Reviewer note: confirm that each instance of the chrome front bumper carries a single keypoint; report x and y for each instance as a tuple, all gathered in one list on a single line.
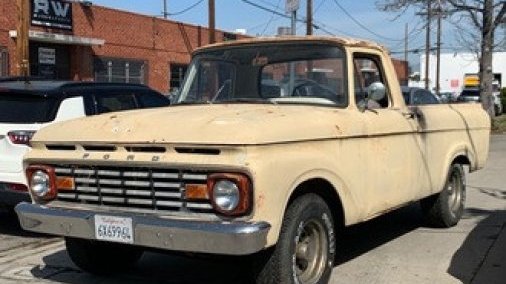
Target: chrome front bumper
[(229, 238)]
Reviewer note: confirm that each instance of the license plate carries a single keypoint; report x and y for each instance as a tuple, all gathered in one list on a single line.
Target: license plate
[(114, 229)]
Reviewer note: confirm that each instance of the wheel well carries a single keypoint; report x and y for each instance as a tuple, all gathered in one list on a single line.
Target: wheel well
[(463, 160), (325, 190)]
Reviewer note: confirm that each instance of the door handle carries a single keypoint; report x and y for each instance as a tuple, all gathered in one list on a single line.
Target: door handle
[(409, 115)]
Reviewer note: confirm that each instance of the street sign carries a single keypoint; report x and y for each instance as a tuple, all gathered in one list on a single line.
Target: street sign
[(292, 6)]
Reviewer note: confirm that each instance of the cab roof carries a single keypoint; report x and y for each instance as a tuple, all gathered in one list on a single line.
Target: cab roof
[(296, 39)]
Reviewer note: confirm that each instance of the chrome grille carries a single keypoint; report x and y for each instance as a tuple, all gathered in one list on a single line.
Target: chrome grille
[(140, 188)]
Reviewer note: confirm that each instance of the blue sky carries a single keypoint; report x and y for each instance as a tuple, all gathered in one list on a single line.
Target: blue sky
[(383, 27)]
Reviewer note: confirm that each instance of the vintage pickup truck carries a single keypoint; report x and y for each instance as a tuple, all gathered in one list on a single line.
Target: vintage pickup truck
[(272, 146)]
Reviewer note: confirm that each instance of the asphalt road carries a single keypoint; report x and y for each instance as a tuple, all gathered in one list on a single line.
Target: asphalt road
[(395, 248)]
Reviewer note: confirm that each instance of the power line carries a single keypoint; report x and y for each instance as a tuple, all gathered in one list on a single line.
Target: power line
[(270, 20), (362, 25), (269, 10), (319, 6), (283, 15), (317, 25), (185, 9)]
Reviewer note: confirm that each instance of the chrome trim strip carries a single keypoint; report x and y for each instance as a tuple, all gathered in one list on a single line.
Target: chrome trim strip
[(230, 238)]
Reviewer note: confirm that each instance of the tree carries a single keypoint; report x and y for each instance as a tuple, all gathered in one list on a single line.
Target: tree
[(486, 16)]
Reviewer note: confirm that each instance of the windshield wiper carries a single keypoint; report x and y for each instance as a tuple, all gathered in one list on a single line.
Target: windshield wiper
[(193, 103), (245, 101)]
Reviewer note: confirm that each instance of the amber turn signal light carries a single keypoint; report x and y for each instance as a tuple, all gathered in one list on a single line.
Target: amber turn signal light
[(197, 192)]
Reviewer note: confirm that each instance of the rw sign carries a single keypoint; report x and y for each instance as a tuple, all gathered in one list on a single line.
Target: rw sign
[(52, 13)]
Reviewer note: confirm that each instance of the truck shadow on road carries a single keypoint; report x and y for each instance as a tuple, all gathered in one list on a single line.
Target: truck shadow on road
[(152, 268), (470, 257), (10, 225), (159, 267), (359, 239)]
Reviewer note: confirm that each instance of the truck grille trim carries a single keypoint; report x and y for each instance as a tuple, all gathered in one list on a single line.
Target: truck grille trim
[(161, 190)]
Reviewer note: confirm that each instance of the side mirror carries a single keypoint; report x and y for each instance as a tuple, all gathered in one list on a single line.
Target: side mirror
[(376, 91)]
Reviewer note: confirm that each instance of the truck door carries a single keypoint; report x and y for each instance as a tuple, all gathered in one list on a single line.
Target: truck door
[(393, 156)]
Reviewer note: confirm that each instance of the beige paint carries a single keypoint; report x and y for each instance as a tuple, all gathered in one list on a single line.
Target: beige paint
[(376, 161)]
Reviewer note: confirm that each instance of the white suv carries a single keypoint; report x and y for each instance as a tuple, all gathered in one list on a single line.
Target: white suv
[(25, 107)]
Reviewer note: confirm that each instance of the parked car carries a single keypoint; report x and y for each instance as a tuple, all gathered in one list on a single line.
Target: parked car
[(447, 96), (473, 95), (27, 106), (418, 96), (267, 170)]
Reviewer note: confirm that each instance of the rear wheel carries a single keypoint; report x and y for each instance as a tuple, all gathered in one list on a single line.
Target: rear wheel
[(101, 257), (446, 208), (306, 247)]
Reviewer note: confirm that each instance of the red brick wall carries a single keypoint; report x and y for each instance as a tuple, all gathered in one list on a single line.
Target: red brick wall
[(402, 70), (8, 18), (127, 35)]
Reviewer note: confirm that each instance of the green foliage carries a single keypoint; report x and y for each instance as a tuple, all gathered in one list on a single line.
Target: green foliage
[(499, 124), (503, 98)]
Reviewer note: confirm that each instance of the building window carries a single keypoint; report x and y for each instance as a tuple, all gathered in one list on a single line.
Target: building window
[(4, 62), (177, 72), (115, 70)]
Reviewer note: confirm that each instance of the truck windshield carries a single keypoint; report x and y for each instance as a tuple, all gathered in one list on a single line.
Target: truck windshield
[(267, 73), (22, 108)]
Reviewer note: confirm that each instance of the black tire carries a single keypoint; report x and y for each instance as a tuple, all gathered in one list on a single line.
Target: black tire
[(446, 208), (307, 217), (102, 257)]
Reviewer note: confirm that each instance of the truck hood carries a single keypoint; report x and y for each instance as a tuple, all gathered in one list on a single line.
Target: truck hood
[(220, 124)]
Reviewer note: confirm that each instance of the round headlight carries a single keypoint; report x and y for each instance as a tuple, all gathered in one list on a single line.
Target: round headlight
[(226, 195), (40, 183)]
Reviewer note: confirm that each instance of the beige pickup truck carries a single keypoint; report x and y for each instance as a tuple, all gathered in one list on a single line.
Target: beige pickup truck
[(272, 146)]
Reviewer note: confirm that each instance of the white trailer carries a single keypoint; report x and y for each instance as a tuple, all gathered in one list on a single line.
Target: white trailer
[(454, 67)]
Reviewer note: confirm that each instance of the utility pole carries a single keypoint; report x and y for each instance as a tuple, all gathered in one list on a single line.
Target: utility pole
[(427, 44), (165, 13), (309, 16), (212, 28), (438, 46), (22, 40), (406, 65)]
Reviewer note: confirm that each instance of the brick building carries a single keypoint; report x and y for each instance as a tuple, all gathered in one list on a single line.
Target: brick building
[(82, 42), (402, 70)]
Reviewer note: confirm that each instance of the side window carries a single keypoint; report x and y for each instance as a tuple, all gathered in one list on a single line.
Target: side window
[(423, 97), (406, 96), (152, 99), (109, 102), (368, 73)]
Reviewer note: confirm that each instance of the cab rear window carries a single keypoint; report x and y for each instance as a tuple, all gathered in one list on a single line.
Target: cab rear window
[(22, 108)]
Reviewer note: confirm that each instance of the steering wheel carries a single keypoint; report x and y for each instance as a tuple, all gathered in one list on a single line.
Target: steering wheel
[(302, 87)]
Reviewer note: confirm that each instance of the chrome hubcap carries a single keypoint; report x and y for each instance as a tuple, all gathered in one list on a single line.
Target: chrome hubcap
[(455, 192), (310, 252)]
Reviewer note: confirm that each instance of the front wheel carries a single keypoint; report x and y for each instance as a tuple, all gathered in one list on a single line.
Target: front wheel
[(447, 207), (101, 257), (306, 247)]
